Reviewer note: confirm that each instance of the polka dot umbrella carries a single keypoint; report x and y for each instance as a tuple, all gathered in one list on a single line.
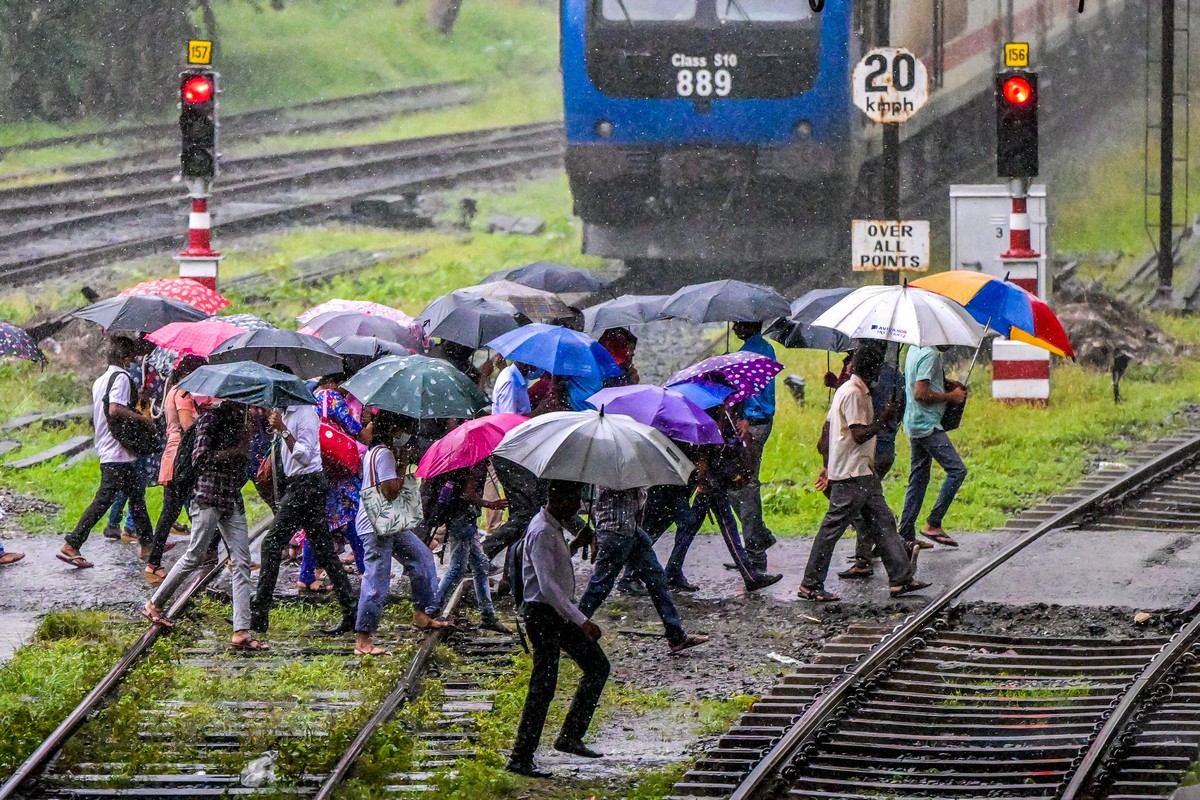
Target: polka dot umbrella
[(748, 373), (16, 343), (185, 290)]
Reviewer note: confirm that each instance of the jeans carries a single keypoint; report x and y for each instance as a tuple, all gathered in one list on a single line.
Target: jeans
[(175, 497), (419, 566), (525, 495), (718, 503), (115, 478), (934, 447), (117, 511), (847, 499), (615, 551), (747, 501), (205, 525), (548, 635), (308, 561), (463, 537), (302, 506)]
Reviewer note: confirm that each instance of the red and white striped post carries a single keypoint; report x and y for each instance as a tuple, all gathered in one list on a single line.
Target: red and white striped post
[(1020, 372), (198, 260)]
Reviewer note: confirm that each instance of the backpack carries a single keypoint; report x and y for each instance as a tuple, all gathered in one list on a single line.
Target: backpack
[(186, 468), (137, 436), (516, 566)]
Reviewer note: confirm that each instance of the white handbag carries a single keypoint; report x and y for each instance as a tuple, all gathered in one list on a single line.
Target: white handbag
[(391, 517)]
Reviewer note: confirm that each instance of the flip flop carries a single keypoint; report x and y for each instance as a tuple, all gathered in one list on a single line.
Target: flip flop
[(10, 558), (375, 650), (78, 562), (941, 538), (818, 595), (252, 645), (158, 619), (316, 587), (909, 588)]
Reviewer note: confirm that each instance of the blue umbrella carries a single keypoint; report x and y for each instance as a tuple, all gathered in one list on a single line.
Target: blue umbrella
[(705, 394), (557, 350), (249, 383)]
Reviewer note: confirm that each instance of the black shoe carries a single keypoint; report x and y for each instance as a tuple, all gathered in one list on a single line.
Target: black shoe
[(762, 582), (345, 626), (575, 748), (681, 584), (112, 533), (632, 589), (529, 769), (493, 624), (857, 571)]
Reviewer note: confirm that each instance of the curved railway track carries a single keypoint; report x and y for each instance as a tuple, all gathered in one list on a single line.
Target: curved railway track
[(923, 711)]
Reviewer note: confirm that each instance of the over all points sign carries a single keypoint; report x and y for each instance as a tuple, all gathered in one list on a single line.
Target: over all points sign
[(890, 245)]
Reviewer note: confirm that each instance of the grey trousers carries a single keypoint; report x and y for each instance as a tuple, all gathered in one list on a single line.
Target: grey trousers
[(747, 501), (206, 522), (848, 499)]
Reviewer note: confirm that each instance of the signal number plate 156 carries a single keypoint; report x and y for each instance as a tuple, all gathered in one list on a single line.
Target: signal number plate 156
[(695, 77)]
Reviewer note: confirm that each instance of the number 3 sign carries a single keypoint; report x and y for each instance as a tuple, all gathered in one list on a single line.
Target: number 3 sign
[(890, 84)]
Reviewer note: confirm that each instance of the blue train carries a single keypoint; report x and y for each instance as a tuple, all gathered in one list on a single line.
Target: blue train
[(722, 133)]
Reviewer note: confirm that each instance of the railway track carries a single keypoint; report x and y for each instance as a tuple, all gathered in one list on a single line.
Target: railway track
[(193, 737), (47, 237), (924, 711)]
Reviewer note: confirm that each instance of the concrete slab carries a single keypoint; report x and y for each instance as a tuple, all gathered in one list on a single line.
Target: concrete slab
[(16, 628)]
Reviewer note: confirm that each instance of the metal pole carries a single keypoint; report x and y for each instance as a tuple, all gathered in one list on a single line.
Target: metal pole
[(1166, 155), (891, 144)]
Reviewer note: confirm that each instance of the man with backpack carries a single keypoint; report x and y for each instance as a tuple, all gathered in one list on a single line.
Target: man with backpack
[(121, 435)]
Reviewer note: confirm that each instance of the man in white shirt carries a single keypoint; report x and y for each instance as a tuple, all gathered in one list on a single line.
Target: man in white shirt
[(854, 488), (302, 507), (112, 396), (510, 395), (554, 622)]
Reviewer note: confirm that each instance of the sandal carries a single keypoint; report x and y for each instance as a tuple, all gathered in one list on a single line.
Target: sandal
[(909, 588), (431, 623), (10, 558), (375, 650), (250, 644), (316, 587), (817, 595), (156, 617), (939, 536), (857, 571), (687, 642), (156, 572), (76, 561)]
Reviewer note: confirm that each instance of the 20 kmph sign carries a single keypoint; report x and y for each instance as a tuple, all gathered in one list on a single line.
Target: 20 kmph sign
[(890, 84)]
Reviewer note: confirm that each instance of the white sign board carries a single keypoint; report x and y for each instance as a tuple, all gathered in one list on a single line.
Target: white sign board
[(888, 245), (890, 84)]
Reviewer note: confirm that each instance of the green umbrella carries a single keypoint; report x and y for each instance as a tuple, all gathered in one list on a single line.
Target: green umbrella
[(249, 383), (417, 386)]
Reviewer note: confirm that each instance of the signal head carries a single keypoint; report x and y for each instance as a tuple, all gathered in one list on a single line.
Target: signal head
[(197, 89), (1017, 90)]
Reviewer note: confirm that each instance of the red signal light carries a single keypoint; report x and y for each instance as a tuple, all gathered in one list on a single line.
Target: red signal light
[(1017, 90), (198, 90)]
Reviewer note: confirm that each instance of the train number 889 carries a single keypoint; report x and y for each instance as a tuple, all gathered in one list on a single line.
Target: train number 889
[(703, 83)]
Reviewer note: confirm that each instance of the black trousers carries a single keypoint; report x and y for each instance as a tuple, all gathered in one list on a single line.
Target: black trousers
[(120, 478), (175, 497), (525, 495), (549, 633), (301, 507)]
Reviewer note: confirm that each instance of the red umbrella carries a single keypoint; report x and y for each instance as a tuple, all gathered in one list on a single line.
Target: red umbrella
[(196, 338), (467, 445), (186, 290)]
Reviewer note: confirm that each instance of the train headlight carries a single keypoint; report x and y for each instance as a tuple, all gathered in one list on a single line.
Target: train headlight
[(604, 129), (803, 129)]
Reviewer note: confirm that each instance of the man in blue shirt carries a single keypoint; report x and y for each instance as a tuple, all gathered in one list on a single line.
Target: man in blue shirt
[(759, 416)]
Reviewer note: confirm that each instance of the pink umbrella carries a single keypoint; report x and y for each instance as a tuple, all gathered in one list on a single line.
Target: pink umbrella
[(186, 290), (748, 373), (358, 307), (467, 445), (197, 338)]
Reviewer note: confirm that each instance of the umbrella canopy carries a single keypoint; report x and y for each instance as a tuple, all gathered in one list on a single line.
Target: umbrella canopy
[(797, 330), (748, 373), (1003, 307), (249, 383), (467, 320), (247, 322), (609, 450), (626, 310), (355, 323), (17, 343), (357, 306), (138, 313), (902, 314), (558, 350), (164, 359), (467, 445), (726, 301), (417, 386), (369, 346), (197, 338), (551, 277), (303, 354), (538, 305), (662, 409), (185, 290), (705, 394)]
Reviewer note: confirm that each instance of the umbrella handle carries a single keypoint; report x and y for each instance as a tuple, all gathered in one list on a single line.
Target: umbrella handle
[(975, 358)]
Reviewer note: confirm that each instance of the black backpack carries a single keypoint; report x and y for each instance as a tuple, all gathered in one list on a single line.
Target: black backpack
[(139, 437), (186, 468)]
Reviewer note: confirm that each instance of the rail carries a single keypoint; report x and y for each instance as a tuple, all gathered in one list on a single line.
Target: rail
[(764, 777)]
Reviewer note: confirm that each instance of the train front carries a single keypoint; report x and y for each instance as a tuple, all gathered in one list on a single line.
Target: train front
[(712, 132)]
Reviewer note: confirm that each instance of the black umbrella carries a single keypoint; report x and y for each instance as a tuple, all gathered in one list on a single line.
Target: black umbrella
[(726, 301), (626, 310), (304, 354), (468, 320), (551, 277), (369, 346), (797, 330), (249, 383), (353, 323), (138, 314)]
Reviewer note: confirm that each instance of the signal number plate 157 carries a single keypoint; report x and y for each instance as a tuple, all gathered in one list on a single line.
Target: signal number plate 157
[(695, 77)]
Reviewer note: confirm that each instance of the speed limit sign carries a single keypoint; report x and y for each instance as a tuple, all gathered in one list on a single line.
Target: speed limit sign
[(890, 84)]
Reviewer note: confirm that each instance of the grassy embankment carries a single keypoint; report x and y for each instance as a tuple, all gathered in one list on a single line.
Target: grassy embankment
[(506, 49)]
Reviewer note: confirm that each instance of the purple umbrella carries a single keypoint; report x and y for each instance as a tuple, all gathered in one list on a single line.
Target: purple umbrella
[(663, 409), (748, 373)]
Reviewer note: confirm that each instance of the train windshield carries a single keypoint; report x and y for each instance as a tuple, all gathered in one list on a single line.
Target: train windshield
[(763, 10), (649, 10)]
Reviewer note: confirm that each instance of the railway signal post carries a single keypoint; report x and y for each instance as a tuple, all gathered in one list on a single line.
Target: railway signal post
[(198, 90)]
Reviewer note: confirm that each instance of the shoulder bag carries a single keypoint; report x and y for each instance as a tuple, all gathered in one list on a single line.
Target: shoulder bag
[(391, 517), (137, 436)]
